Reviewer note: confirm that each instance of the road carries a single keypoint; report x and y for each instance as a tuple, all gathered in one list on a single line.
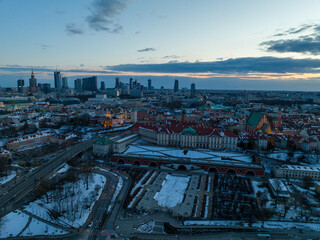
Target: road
[(26, 184)]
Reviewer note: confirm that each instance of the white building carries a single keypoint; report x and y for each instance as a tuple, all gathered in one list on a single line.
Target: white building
[(297, 172)]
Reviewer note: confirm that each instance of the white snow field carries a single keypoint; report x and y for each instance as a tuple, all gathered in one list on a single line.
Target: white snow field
[(6, 179), (172, 191), (12, 224), (40, 228), (147, 227), (74, 201)]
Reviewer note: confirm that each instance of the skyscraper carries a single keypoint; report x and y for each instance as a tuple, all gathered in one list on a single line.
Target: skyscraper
[(103, 86), (90, 83), (117, 83), (33, 83), (57, 80), (45, 87), (20, 85), (149, 84), (65, 83), (78, 85), (131, 83), (193, 90), (176, 86)]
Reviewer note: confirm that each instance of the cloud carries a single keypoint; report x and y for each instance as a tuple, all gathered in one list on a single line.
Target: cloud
[(147, 50), (171, 56), (45, 46), (73, 29), (302, 28), (233, 65), (60, 12), (306, 44), (102, 13)]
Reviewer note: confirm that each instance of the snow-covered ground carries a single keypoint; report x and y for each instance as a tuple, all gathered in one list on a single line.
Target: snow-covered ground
[(12, 224), (116, 192), (197, 154), (172, 191), (6, 179), (73, 200), (147, 227), (40, 228), (64, 169)]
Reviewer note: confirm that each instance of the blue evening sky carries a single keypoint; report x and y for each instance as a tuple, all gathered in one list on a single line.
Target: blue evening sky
[(126, 38)]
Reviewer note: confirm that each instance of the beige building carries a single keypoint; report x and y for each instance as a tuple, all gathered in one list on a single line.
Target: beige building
[(29, 141), (297, 172), (190, 138)]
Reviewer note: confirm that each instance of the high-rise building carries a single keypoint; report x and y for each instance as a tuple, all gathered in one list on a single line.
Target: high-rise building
[(20, 85), (245, 97), (57, 80), (103, 86), (176, 86), (65, 83), (117, 83), (33, 83), (78, 85), (149, 84), (135, 83), (193, 90), (131, 83), (90, 83), (45, 87)]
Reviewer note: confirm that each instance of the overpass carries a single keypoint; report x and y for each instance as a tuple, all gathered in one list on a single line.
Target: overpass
[(15, 192)]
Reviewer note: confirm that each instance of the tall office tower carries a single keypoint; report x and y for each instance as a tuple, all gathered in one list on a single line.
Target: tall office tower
[(138, 86), (103, 86), (176, 86), (20, 84), (131, 83), (45, 87), (117, 83), (33, 83), (245, 97), (78, 85), (90, 83), (65, 83), (57, 80), (149, 84), (193, 90), (135, 83)]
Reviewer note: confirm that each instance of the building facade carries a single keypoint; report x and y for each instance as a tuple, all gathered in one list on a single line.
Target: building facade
[(190, 137)]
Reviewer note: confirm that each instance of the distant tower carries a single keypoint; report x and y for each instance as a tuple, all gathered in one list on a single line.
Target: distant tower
[(117, 83), (135, 83), (33, 83), (65, 83), (149, 84), (103, 86), (20, 85), (57, 80), (193, 90), (78, 85), (131, 83), (176, 86), (245, 97), (90, 83)]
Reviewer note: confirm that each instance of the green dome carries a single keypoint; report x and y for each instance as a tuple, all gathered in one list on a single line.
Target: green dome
[(189, 131)]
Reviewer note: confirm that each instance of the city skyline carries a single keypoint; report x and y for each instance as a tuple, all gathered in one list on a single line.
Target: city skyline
[(223, 45)]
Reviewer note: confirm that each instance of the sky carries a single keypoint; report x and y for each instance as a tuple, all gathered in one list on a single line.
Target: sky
[(229, 44)]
